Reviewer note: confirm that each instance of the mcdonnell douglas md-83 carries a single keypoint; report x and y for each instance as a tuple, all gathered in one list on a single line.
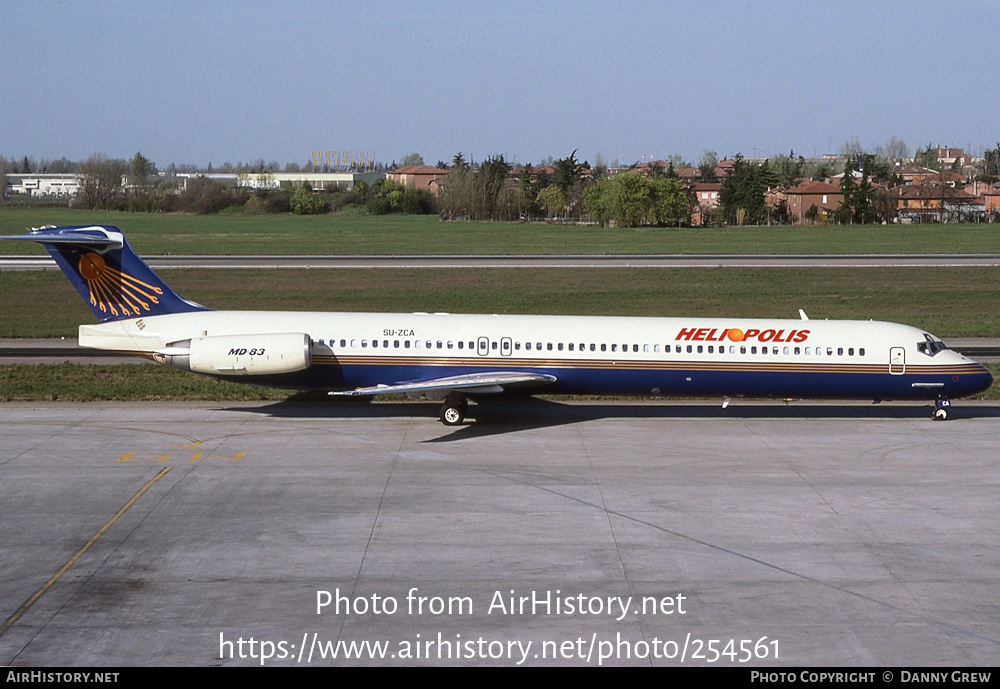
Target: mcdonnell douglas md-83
[(454, 357)]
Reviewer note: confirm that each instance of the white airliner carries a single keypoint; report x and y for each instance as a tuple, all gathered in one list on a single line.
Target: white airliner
[(454, 357)]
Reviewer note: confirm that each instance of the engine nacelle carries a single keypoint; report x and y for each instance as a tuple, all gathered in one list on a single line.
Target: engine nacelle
[(241, 355)]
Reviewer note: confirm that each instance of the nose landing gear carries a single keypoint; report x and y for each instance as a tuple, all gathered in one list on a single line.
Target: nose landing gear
[(942, 408)]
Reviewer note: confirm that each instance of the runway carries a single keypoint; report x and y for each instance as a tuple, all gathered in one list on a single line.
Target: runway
[(580, 261), (539, 534)]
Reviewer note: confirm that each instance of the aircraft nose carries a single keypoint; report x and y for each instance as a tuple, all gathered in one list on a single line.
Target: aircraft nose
[(981, 380)]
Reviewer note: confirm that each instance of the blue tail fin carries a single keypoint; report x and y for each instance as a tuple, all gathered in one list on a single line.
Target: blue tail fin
[(111, 278)]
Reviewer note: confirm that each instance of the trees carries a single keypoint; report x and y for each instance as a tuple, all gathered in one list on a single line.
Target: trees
[(709, 159), (413, 159), (305, 202), (552, 200), (858, 205), (632, 200), (139, 169), (742, 194), (3, 178), (486, 193), (100, 181)]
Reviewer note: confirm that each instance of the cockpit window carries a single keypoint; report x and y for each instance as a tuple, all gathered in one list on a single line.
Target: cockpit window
[(931, 346)]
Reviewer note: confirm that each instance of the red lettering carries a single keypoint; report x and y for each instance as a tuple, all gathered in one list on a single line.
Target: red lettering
[(724, 334), (767, 336), (685, 334), (752, 332), (700, 335), (777, 337), (711, 335), (801, 336)]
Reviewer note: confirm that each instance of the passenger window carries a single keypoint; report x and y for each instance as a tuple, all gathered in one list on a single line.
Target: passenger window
[(343, 343), (699, 349), (406, 344), (494, 346), (808, 351), (861, 352), (753, 350), (450, 344), (604, 348), (614, 348), (559, 346), (656, 349), (593, 347), (743, 349), (527, 346), (395, 344), (461, 344), (784, 350), (850, 351), (440, 344), (840, 351), (364, 344), (548, 346), (829, 351), (374, 344), (689, 349)]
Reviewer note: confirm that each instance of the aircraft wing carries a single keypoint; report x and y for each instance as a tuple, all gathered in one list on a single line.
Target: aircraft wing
[(472, 383)]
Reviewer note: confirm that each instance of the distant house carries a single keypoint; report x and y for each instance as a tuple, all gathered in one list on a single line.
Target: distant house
[(925, 175), (826, 197), (724, 168), (706, 196), (419, 176), (990, 195), (688, 174), (937, 203), (948, 157)]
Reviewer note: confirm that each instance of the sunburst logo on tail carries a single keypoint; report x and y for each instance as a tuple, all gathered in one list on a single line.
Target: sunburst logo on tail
[(114, 291)]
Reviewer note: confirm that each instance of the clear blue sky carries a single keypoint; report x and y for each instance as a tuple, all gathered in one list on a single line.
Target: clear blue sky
[(193, 82)]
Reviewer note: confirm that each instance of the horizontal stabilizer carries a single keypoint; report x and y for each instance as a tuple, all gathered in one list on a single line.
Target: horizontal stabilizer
[(99, 242), (473, 383)]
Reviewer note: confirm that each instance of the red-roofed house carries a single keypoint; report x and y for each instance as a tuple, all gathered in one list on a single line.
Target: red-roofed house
[(826, 197), (923, 203), (419, 176)]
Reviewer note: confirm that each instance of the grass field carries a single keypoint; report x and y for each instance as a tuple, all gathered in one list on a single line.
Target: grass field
[(238, 234), (950, 302)]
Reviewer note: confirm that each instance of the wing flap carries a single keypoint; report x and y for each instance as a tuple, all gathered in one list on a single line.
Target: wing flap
[(471, 383)]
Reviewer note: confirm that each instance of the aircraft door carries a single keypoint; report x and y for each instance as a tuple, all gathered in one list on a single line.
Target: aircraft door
[(897, 361), (505, 347), (483, 346)]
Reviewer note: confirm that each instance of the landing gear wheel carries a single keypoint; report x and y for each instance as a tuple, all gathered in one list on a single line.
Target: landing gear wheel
[(453, 411)]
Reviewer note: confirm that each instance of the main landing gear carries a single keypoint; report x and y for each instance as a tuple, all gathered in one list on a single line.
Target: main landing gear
[(942, 408), (453, 410)]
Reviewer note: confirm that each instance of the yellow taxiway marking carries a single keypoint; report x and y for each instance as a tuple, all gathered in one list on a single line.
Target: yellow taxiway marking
[(55, 577)]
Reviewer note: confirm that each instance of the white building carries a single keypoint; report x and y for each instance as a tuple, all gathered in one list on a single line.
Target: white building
[(61, 185)]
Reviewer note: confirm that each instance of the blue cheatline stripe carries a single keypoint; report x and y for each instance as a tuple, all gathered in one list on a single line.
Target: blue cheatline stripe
[(957, 382)]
